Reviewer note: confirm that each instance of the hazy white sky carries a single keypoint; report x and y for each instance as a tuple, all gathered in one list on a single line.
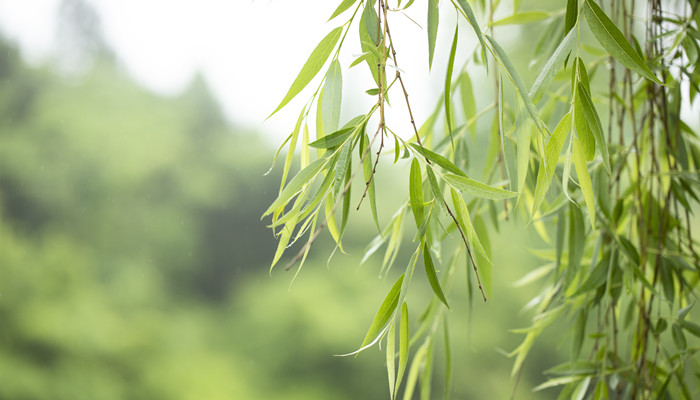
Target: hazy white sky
[(249, 51)]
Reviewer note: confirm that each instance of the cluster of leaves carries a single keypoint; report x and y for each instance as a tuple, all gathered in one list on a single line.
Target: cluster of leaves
[(623, 276)]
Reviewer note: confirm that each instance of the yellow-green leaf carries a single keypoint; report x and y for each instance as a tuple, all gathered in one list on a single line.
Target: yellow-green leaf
[(433, 19), (332, 97), (549, 164), (301, 179), (584, 180), (522, 18), (313, 64), (416, 192), (477, 189), (344, 5), (404, 339), (384, 313)]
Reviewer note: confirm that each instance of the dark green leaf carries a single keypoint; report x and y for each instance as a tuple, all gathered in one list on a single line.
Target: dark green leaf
[(571, 15), (432, 276), (614, 42), (416, 192)]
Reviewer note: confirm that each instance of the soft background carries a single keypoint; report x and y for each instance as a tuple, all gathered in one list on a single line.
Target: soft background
[(133, 262)]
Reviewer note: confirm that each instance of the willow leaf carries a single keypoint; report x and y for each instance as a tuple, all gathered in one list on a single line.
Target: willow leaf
[(432, 275), (313, 64), (476, 188), (468, 101), (390, 358), (367, 173), (301, 179), (614, 42), (549, 165), (571, 15), (404, 339), (469, 14), (438, 159), (462, 215), (384, 313), (332, 97), (520, 87), (544, 79), (523, 18), (344, 5), (448, 85), (584, 180), (333, 139), (416, 192), (594, 124), (433, 20)]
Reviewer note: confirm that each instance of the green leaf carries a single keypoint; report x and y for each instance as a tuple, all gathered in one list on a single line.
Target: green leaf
[(583, 132), (552, 152), (571, 15), (384, 313), (683, 312), (468, 101), (523, 18), (390, 358), (593, 123), (448, 361), (691, 327), (577, 238), (404, 339), (427, 376), (438, 159), (469, 15), (332, 97), (520, 87), (413, 372), (679, 338), (344, 5), (477, 189), (448, 85), (584, 180), (596, 278), (301, 179), (367, 173), (334, 139), (431, 274), (556, 61), (523, 151), (371, 22), (416, 192), (433, 19), (614, 42), (314, 63), (293, 138), (462, 215)]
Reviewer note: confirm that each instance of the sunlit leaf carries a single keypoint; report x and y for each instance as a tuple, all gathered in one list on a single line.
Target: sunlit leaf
[(584, 180), (334, 139), (433, 20), (314, 63), (301, 179), (384, 313), (477, 189), (549, 165), (416, 192), (344, 5), (522, 18), (332, 97), (593, 122)]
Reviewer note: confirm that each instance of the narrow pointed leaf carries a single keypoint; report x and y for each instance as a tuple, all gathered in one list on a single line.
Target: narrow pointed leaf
[(614, 42), (448, 85), (416, 192), (468, 101), (520, 87), (384, 313), (549, 165), (433, 19), (594, 124), (469, 14), (438, 159), (432, 275), (522, 18), (332, 97), (301, 179), (584, 179), (390, 358), (524, 140), (477, 189), (332, 140), (344, 5), (404, 339), (367, 173), (462, 215), (313, 64), (571, 15), (556, 61)]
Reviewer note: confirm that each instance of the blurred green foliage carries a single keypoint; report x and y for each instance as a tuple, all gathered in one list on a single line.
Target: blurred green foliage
[(133, 263)]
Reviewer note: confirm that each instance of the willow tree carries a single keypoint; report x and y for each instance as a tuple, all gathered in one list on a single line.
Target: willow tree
[(595, 150)]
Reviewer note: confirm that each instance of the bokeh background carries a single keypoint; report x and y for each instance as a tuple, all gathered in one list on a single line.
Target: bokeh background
[(133, 261)]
